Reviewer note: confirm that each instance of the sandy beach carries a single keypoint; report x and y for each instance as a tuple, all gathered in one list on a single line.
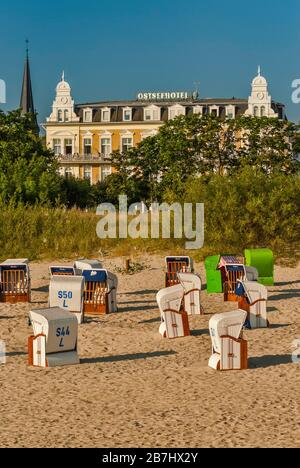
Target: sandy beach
[(136, 389)]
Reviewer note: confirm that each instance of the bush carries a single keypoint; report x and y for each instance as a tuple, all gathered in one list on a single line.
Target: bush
[(249, 209)]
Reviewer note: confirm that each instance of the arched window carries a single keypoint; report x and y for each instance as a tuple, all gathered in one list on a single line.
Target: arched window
[(255, 111), (66, 113), (263, 111), (60, 116)]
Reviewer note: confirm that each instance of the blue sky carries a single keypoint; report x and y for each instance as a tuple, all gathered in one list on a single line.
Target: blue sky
[(112, 50)]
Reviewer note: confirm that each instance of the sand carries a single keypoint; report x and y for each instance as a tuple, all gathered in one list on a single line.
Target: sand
[(135, 389)]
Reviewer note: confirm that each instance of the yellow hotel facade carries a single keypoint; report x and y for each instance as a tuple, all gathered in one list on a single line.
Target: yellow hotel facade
[(83, 136)]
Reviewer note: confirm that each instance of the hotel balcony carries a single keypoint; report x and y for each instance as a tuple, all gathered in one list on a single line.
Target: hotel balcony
[(84, 158)]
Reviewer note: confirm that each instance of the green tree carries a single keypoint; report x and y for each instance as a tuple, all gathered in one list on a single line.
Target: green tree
[(28, 171)]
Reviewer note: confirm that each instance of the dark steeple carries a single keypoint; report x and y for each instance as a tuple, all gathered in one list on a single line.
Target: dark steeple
[(27, 104)]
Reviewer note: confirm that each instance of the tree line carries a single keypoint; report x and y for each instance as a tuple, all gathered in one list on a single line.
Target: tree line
[(192, 149)]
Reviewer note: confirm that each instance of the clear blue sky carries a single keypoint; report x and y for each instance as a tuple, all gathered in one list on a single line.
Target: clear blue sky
[(113, 49)]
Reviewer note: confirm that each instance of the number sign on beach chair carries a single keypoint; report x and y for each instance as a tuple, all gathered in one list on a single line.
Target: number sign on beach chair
[(15, 284), (66, 292), (176, 265), (230, 350), (54, 342), (85, 264), (175, 322), (253, 299), (100, 292), (62, 271), (192, 289)]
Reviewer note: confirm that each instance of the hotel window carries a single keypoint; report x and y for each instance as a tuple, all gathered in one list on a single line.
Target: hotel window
[(263, 111), (198, 110), (60, 116), (127, 115), (66, 114), (127, 144), (214, 111), (57, 147), (68, 173), (68, 147), (255, 111), (175, 111), (105, 172), (230, 112), (87, 173), (87, 115), (87, 146), (106, 146), (152, 113), (105, 115)]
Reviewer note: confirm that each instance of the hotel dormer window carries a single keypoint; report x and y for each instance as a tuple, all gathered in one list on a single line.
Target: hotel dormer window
[(175, 111), (152, 113), (105, 115), (214, 111), (87, 115), (198, 110), (127, 114), (230, 112)]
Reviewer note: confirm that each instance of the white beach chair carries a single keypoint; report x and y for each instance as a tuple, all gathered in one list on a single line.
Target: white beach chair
[(54, 342), (229, 347), (100, 292), (254, 297), (175, 322), (66, 292), (192, 286), (15, 282)]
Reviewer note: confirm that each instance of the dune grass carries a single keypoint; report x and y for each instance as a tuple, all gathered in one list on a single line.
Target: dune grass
[(41, 233)]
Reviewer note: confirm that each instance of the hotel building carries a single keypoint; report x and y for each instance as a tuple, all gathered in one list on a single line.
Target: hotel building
[(83, 136)]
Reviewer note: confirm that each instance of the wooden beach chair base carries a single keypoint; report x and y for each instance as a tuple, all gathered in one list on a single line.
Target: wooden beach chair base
[(14, 298), (234, 355)]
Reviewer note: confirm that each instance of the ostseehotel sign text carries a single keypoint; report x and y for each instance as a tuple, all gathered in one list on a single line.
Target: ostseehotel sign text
[(169, 96)]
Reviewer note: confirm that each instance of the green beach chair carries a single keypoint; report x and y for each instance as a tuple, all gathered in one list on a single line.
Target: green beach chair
[(213, 275), (263, 261)]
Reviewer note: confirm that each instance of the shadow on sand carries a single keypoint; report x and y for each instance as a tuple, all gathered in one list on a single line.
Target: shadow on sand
[(128, 357), (264, 362), (285, 295)]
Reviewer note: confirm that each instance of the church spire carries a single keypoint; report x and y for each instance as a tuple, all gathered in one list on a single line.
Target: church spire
[(26, 103)]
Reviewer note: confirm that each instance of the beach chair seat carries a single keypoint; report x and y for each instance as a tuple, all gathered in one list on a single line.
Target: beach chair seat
[(100, 292), (62, 271), (192, 286), (15, 282), (251, 274), (66, 292), (253, 299), (230, 350), (54, 342), (175, 265), (86, 264), (175, 322)]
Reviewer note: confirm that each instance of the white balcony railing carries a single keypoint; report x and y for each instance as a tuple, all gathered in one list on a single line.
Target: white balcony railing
[(84, 158)]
